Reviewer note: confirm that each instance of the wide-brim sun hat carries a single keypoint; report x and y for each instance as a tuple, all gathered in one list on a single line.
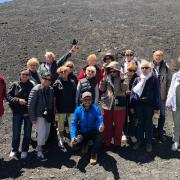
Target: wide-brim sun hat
[(110, 55), (114, 65)]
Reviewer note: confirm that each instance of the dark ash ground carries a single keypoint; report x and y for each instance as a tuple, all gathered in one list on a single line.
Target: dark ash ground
[(29, 27)]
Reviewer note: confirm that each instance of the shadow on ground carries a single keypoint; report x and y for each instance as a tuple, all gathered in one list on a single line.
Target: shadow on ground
[(14, 168)]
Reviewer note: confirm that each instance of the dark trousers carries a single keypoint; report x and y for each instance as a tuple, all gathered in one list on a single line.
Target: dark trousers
[(161, 120), (132, 125), (145, 125), (96, 137), (18, 120)]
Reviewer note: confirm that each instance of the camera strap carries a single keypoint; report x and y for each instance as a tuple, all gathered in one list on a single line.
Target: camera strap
[(45, 99)]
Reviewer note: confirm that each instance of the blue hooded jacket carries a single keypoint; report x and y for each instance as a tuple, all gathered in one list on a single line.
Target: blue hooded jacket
[(85, 120)]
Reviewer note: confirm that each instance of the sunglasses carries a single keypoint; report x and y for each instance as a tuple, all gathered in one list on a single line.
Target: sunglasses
[(63, 72), (130, 70), (47, 79), (144, 67), (107, 58), (87, 100), (129, 54), (91, 71), (25, 74), (70, 67)]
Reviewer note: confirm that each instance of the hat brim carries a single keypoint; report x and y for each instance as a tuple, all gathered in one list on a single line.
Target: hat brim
[(111, 57)]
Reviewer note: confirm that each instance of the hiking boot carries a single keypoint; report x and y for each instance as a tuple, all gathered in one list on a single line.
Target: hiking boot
[(137, 145), (41, 157), (93, 159), (24, 155), (148, 147), (175, 146)]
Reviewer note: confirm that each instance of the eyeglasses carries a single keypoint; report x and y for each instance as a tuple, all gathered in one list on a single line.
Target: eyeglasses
[(129, 54), (144, 67), (130, 70), (25, 74), (91, 71), (47, 79)]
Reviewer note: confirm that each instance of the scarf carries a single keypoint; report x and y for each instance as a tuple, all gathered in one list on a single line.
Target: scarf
[(134, 61), (138, 89)]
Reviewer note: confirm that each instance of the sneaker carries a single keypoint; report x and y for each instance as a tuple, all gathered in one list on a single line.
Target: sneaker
[(175, 146), (124, 138), (133, 139), (93, 159), (12, 154), (137, 145), (40, 157), (24, 155), (148, 147), (45, 151)]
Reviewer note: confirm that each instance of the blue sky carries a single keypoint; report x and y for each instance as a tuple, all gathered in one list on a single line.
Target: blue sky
[(3, 1)]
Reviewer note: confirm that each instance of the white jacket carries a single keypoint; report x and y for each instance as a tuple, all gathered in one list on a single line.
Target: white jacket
[(171, 97)]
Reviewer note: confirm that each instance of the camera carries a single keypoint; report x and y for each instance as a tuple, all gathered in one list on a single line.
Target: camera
[(74, 42)]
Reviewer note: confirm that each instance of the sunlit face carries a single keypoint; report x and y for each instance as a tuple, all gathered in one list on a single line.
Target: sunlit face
[(33, 67), (46, 81), (64, 73), (49, 59), (108, 59), (158, 56), (24, 76), (129, 56), (145, 69), (90, 73), (131, 72), (114, 73), (71, 68), (87, 101)]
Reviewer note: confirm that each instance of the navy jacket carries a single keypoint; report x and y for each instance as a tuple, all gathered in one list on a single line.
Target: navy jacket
[(150, 95)]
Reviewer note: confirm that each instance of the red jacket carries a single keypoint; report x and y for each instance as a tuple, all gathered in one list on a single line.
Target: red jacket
[(99, 73), (2, 94)]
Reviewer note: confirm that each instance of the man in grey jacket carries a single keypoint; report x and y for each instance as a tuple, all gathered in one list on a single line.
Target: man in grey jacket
[(163, 73), (40, 108)]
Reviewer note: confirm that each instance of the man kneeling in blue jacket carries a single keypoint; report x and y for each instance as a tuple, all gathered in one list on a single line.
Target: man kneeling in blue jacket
[(87, 124)]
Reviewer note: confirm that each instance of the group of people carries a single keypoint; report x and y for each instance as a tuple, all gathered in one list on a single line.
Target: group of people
[(98, 107)]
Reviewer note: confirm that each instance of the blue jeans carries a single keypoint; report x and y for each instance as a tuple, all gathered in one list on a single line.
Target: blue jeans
[(161, 120), (18, 120)]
